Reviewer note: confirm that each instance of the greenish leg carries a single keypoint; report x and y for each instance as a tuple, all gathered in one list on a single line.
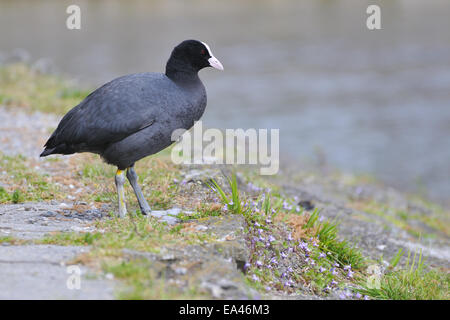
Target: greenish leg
[(120, 180), (133, 178)]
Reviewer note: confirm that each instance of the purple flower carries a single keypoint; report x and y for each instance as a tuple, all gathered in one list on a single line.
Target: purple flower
[(271, 238), (322, 255), (247, 265), (259, 263), (304, 246), (348, 267), (333, 272), (289, 238), (350, 274), (274, 261), (255, 277), (322, 269)]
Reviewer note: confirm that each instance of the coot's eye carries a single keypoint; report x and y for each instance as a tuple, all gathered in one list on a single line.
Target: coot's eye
[(202, 52)]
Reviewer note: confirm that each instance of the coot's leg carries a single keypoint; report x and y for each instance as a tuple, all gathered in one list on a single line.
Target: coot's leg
[(120, 180), (133, 178)]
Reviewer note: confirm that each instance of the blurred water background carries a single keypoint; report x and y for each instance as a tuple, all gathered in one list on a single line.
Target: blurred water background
[(374, 102)]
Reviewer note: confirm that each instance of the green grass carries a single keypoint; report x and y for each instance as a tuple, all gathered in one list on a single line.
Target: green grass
[(412, 282), (28, 89), (327, 233), (135, 233), (402, 218), (23, 183), (329, 250), (142, 282)]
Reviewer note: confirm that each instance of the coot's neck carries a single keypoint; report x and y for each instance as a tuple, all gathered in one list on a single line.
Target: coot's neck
[(181, 72)]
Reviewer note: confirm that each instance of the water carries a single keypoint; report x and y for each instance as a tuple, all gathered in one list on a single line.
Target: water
[(368, 101)]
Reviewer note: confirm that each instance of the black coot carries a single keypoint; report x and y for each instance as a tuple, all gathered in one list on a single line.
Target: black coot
[(134, 116)]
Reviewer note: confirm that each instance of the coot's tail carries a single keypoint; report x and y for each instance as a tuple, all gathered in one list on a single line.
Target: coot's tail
[(47, 151), (58, 149)]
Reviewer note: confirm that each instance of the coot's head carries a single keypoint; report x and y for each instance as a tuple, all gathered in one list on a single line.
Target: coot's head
[(192, 56)]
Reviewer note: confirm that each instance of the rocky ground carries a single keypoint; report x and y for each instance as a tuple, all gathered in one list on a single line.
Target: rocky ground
[(30, 268)]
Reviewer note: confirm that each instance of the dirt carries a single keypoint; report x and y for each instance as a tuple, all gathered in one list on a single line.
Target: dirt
[(31, 271)]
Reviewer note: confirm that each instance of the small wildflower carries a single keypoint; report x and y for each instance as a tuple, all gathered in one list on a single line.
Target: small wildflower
[(366, 298), (322, 269), (358, 295), (350, 274), (271, 238), (255, 277), (322, 255), (333, 272), (259, 263), (289, 238), (247, 265), (274, 261), (349, 267)]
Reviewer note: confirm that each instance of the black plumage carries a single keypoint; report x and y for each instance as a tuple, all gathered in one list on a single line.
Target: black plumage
[(134, 116)]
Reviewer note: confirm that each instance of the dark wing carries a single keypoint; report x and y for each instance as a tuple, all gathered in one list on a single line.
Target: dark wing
[(110, 113)]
